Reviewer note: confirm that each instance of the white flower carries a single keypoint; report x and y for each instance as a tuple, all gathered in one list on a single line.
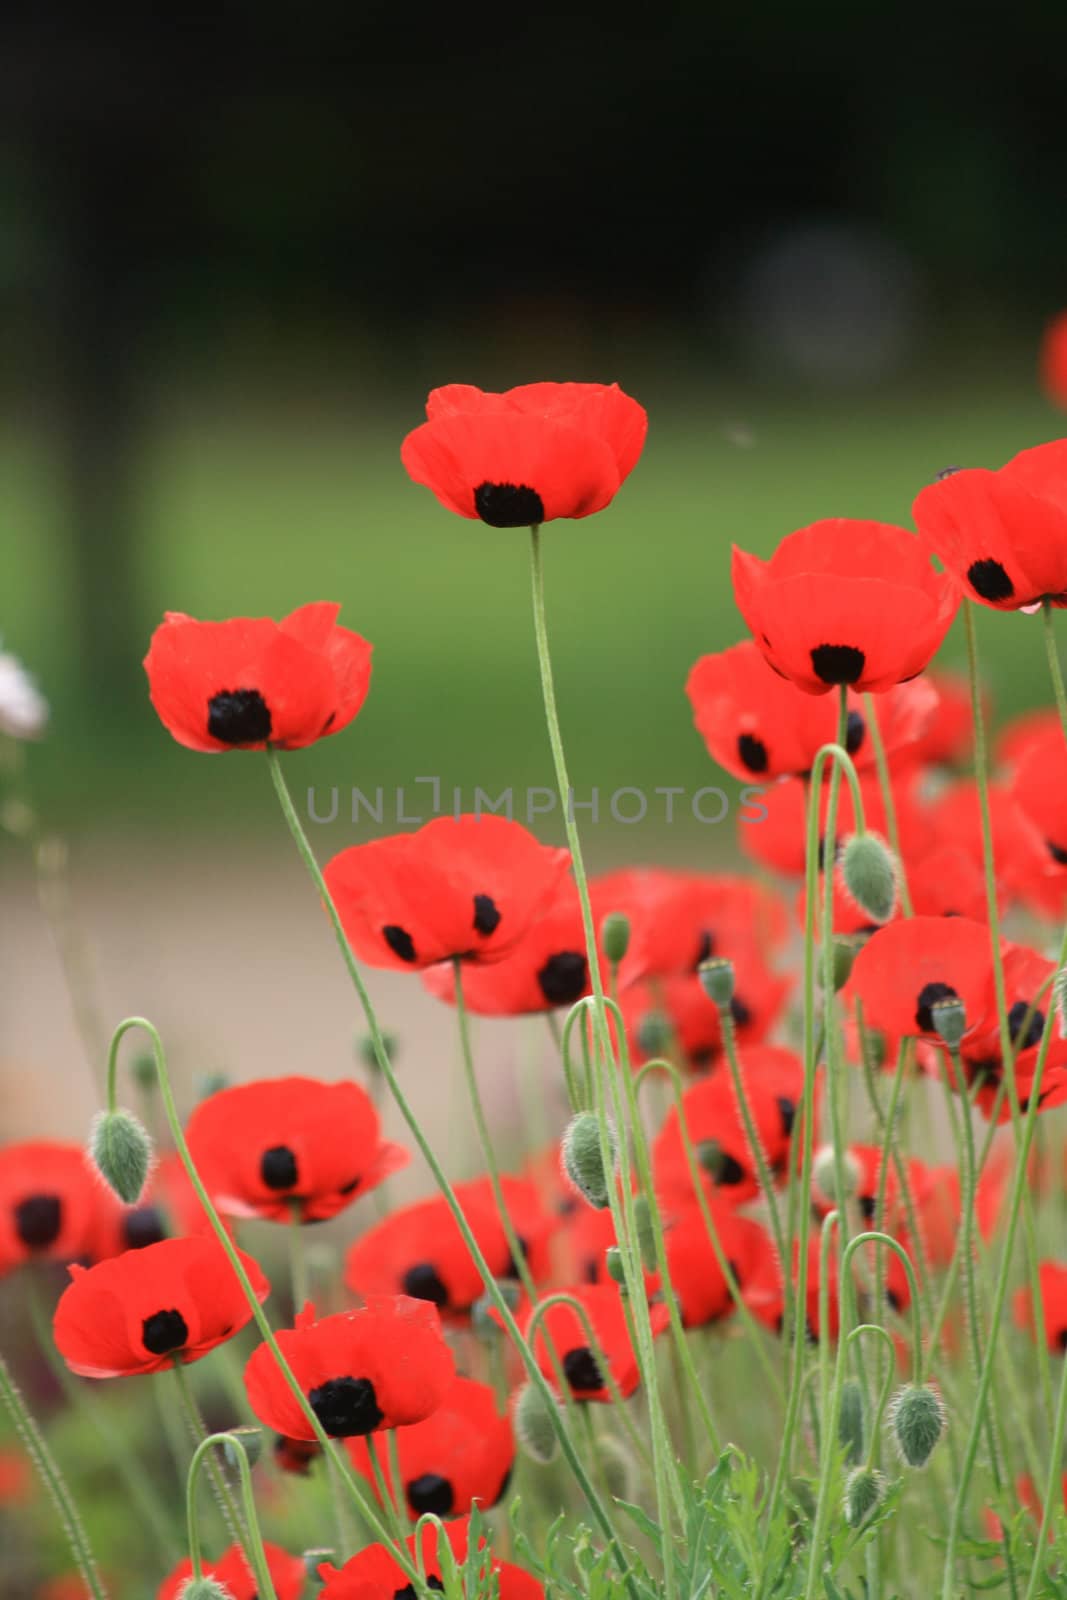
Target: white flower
[(23, 709)]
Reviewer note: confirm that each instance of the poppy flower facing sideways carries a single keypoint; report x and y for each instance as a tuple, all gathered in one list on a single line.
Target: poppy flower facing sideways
[(906, 968), (288, 1574), (529, 455), (383, 1366), (561, 1330), (281, 1147), (373, 1573), (249, 682), (548, 968), (50, 1202), (463, 1453), (147, 1309), (697, 1278), (756, 724), (845, 602), (1052, 1277), (465, 887), (1038, 786)]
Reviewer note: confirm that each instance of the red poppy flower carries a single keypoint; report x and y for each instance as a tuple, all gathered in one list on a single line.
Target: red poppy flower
[(779, 840), (527, 456), (560, 1329), (373, 1574), (169, 1207), (1015, 737), (676, 1016), (16, 1477), (1053, 360), (845, 602), (146, 1309), (383, 1366), (267, 1148), (765, 1291), (50, 1202), (773, 1081), (462, 1454), (232, 1571), (947, 881), (1002, 535), (905, 968), (548, 967), (696, 1277), (1026, 869), (295, 1455), (250, 682), (679, 919), (470, 887), (1038, 785), (1052, 1278), (756, 723), (418, 1250), (947, 737)]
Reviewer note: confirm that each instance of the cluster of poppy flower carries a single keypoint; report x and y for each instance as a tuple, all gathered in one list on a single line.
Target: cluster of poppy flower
[(845, 605)]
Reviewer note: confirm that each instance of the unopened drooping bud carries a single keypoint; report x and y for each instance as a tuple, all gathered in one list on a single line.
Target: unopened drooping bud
[(247, 1441), (843, 952), (534, 1426), (717, 977), (917, 1419), (950, 1020), (583, 1161), (653, 1033), (122, 1153), (143, 1071), (646, 1237), (615, 936), (850, 1421), (869, 873), (864, 1493), (204, 1589)]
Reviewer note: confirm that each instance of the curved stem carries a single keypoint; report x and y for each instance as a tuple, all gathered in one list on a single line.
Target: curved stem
[(257, 1558), (887, 1382), (756, 1150), (599, 1355), (228, 1508)]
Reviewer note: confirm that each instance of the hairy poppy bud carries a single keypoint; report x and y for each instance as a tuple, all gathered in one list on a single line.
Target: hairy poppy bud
[(613, 1266), (122, 1153), (843, 952), (717, 977), (646, 1238), (615, 936), (653, 1033), (950, 1020), (870, 875), (534, 1426), (850, 1420), (917, 1419), (864, 1493), (582, 1161), (204, 1589), (247, 1441)]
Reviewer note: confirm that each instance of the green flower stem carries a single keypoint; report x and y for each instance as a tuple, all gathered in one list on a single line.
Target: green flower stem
[(1015, 1205), (831, 1422), (47, 1469), (298, 1270), (755, 1144), (329, 1446), (518, 1255), (229, 1510), (1055, 670), (492, 1288), (135, 1481), (1053, 1493), (396, 1477), (257, 1558), (384, 1491), (885, 785), (834, 1085), (875, 1430)]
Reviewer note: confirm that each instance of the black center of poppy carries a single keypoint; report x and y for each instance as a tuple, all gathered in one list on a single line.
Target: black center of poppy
[(346, 1407), (508, 505), (720, 1166), (989, 579), (1035, 1025), (855, 732), (788, 1112), (163, 1332), (142, 1227), (238, 716), (38, 1220), (277, 1167), (868, 1205), (752, 752), (838, 663), (739, 1011), (946, 472), (581, 1370), (408, 1591), (399, 941), (423, 1282), (706, 948), (1057, 852), (562, 978), (431, 1492), (929, 995), (486, 915)]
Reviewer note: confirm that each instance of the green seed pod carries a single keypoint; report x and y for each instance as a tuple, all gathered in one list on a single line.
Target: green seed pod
[(869, 873), (864, 1493), (950, 1020), (850, 1422), (122, 1153), (534, 1427), (917, 1419), (646, 1238), (582, 1161), (615, 936), (243, 1441), (712, 1158), (654, 1033), (717, 978), (613, 1266)]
